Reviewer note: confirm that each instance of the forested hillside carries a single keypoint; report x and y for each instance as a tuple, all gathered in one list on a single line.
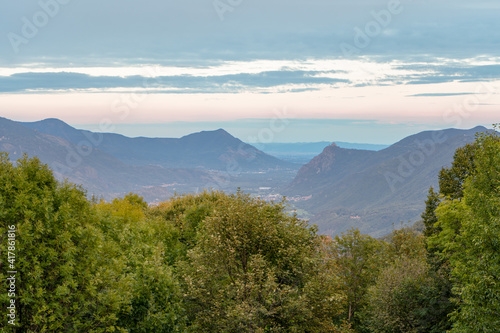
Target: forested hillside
[(372, 190), (215, 262)]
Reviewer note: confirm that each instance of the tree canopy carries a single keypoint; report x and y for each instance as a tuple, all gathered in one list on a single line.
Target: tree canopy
[(469, 237)]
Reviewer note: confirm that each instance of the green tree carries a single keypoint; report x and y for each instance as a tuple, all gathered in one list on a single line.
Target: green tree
[(451, 180), (146, 243), (406, 296), (359, 259), (451, 185), (469, 238), (186, 213), (429, 215), (255, 269), (69, 279), (324, 292), (395, 300), (405, 243)]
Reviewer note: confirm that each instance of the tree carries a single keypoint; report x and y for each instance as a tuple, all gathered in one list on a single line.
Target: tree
[(451, 182), (469, 236), (147, 243), (68, 277), (255, 269), (324, 292), (395, 300), (359, 259), (406, 296), (451, 185), (429, 215), (405, 243), (186, 213)]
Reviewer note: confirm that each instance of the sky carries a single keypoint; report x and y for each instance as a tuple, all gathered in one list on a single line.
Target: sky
[(369, 71)]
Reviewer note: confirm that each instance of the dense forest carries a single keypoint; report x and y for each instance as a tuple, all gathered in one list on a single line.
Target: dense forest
[(215, 262)]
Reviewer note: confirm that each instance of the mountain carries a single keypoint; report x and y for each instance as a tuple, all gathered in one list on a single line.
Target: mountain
[(99, 172), (374, 190), (208, 150), (303, 152), (111, 165)]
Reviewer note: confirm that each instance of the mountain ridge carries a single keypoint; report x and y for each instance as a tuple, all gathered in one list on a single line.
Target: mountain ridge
[(91, 159), (340, 187), (204, 150), (99, 172), (374, 190)]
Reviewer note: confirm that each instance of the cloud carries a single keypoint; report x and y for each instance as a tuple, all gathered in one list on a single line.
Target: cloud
[(43, 82), (439, 94)]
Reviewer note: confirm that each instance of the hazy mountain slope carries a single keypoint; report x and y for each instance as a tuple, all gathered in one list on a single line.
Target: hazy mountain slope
[(99, 172), (58, 128), (373, 190), (332, 164), (206, 150), (303, 152)]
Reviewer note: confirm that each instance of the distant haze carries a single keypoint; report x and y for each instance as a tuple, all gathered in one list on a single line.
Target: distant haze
[(268, 131)]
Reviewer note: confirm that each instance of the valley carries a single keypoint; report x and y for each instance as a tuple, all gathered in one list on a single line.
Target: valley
[(373, 188)]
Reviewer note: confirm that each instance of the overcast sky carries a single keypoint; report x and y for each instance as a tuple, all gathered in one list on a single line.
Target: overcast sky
[(372, 70)]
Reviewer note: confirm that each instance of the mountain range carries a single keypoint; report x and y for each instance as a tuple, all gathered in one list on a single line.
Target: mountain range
[(374, 190), (204, 150), (110, 165)]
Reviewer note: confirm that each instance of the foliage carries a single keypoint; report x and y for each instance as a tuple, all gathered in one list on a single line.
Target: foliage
[(405, 243), (394, 300), (451, 183), (325, 291), (186, 213), (122, 266), (451, 187), (253, 270), (451, 180), (470, 236), (406, 296), (68, 277), (429, 217), (155, 300), (359, 259)]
